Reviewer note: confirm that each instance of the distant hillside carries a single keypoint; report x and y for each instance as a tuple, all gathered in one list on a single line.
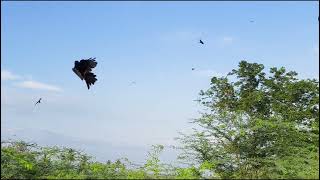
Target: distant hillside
[(102, 151)]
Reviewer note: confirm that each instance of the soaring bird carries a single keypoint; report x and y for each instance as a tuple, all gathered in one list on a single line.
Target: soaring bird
[(201, 41), (83, 70), (37, 102), (192, 69)]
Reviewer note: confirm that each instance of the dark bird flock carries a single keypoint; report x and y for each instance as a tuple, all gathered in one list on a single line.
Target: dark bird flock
[(83, 69)]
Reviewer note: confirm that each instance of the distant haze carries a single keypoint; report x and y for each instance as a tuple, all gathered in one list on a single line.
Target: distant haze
[(101, 151), (155, 45)]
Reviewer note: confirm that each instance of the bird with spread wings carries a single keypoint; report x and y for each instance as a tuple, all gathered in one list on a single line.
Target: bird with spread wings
[(38, 102), (83, 70)]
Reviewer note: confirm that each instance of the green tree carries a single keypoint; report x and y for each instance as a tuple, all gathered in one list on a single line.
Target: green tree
[(254, 126)]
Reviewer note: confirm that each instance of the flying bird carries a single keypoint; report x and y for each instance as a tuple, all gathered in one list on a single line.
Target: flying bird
[(193, 69), (83, 70), (132, 83), (201, 41), (251, 21), (38, 102)]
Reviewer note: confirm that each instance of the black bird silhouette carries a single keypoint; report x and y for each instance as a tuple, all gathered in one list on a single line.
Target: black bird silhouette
[(83, 70), (37, 102), (201, 41), (193, 69)]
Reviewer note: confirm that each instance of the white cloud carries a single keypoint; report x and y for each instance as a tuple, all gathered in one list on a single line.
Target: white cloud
[(28, 82), (227, 40), (38, 85), (7, 75)]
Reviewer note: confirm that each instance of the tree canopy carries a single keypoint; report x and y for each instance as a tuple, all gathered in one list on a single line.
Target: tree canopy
[(258, 126)]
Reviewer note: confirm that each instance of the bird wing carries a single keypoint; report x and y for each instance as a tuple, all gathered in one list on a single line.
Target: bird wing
[(87, 65), (92, 62), (77, 72), (83, 70), (90, 79)]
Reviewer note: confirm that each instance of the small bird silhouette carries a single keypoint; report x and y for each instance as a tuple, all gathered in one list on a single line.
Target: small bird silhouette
[(193, 69), (38, 102), (201, 41), (251, 21)]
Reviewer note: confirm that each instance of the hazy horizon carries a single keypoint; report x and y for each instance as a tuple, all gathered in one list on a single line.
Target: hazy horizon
[(155, 44)]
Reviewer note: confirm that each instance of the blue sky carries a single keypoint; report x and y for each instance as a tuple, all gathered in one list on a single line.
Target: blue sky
[(154, 44)]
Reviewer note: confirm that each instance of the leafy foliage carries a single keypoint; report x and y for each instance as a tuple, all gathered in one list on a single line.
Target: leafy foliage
[(257, 126)]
